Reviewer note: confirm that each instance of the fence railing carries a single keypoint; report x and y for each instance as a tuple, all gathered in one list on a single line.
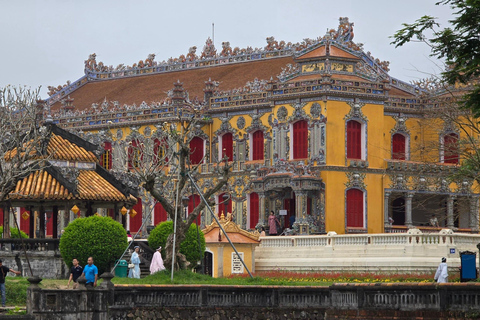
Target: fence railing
[(29, 244)]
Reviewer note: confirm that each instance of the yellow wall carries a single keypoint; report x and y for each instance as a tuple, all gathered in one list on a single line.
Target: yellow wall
[(248, 252)]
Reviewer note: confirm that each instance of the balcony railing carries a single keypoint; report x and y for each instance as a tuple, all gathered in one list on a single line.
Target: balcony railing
[(29, 244)]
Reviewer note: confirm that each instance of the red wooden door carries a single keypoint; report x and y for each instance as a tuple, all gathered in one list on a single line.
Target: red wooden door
[(354, 140), (196, 150), (49, 220), (257, 145), (193, 202), (254, 209), (136, 221), (160, 215), (354, 208), (24, 223), (227, 146), (450, 146), (300, 140), (221, 206)]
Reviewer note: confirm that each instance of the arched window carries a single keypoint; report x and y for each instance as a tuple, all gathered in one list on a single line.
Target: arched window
[(196, 150), (227, 146), (398, 147), (450, 148), (254, 209), (135, 154), (355, 204), (106, 159), (300, 140), (160, 148), (257, 145), (354, 140), (221, 205), (193, 202)]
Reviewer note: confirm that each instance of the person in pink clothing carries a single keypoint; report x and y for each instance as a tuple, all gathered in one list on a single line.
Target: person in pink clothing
[(272, 224), (157, 262)]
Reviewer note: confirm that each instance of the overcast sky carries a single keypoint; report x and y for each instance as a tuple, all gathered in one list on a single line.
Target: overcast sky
[(46, 42)]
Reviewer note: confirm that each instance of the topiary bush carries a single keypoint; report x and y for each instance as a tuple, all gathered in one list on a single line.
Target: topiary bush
[(102, 238), (14, 233), (189, 247)]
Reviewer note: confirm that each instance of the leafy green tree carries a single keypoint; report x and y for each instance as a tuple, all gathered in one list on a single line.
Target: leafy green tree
[(14, 233), (459, 45), (188, 247), (102, 238)]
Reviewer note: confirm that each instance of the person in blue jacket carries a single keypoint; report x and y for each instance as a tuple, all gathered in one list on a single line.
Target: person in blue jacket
[(135, 259)]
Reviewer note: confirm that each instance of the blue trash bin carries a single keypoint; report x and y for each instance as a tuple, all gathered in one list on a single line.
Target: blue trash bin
[(468, 269)]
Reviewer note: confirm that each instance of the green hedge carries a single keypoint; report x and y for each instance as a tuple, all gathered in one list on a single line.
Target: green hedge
[(99, 237), (189, 247), (14, 233)]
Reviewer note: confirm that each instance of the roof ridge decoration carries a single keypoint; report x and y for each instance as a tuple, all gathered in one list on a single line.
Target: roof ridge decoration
[(230, 227), (342, 38)]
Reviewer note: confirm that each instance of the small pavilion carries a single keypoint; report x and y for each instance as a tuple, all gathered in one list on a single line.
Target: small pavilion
[(220, 258), (72, 183)]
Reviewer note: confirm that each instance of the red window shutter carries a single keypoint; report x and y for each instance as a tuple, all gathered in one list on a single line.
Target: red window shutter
[(354, 208), (257, 148), (136, 222), (398, 147), (300, 140), (450, 148), (254, 209), (354, 140), (227, 146), (193, 202), (196, 150), (221, 208), (160, 215)]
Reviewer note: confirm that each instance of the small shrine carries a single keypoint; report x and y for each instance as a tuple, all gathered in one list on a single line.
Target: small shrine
[(220, 258)]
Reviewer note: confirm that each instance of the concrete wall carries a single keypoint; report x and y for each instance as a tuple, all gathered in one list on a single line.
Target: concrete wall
[(45, 264)]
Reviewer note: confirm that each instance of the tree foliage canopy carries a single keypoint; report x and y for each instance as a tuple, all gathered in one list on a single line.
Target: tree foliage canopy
[(102, 238), (459, 45)]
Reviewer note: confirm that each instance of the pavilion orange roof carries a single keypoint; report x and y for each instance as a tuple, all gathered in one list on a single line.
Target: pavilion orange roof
[(41, 185)]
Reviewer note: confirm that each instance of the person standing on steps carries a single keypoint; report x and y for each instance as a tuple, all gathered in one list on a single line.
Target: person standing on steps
[(272, 224), (135, 259), (3, 273)]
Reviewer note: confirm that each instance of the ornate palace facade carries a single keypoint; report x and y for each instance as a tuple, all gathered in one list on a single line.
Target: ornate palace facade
[(317, 130)]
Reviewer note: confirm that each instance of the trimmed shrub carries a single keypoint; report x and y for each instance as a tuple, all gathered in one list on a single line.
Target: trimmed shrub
[(189, 247), (14, 233), (99, 237)]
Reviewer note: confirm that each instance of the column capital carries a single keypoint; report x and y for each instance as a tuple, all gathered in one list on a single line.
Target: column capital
[(409, 194)]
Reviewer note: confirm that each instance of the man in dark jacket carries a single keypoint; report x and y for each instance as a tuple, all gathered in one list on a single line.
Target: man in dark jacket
[(3, 273)]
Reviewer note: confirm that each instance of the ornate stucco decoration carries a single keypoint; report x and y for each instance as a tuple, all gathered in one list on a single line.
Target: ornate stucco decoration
[(400, 125), (257, 125), (119, 134), (464, 186), (448, 127), (356, 112), (420, 183), (356, 180), (70, 174), (135, 135), (299, 113), (282, 114), (316, 110), (398, 181), (147, 131), (226, 127), (289, 72), (442, 185), (241, 122)]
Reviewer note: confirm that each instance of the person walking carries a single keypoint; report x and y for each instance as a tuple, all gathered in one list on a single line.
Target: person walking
[(3, 273), (441, 276), (75, 271), (135, 259), (91, 273), (272, 224), (157, 262)]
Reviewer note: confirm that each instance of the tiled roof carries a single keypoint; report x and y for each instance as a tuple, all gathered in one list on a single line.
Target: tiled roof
[(62, 149), (153, 88), (41, 185)]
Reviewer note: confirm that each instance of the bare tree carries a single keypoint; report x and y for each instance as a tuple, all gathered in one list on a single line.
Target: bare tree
[(162, 164), (22, 139)]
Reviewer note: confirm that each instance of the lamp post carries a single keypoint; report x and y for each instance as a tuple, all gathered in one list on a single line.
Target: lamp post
[(185, 204)]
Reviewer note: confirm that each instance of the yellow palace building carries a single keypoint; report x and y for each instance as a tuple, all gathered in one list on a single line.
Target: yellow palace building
[(318, 131)]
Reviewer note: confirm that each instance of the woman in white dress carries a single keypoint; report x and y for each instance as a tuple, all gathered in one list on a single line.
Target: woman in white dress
[(441, 276), (157, 262)]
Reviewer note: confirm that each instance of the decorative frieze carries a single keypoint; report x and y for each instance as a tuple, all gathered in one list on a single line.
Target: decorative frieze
[(355, 180)]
